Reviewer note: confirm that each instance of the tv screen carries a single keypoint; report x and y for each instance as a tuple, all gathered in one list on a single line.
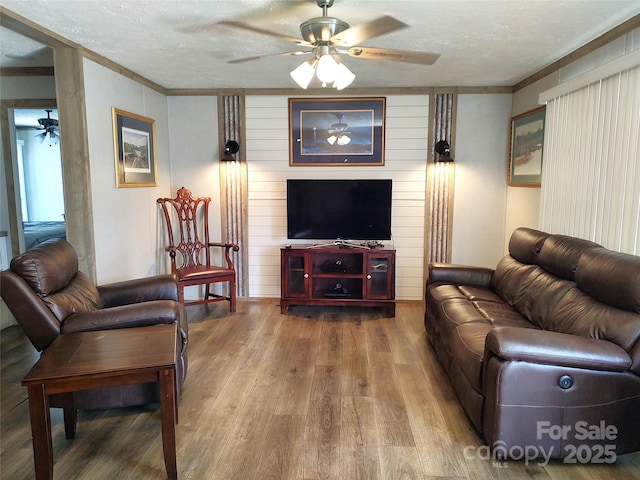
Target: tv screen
[(339, 209)]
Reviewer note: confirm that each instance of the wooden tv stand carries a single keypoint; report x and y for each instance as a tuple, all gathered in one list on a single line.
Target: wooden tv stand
[(337, 276)]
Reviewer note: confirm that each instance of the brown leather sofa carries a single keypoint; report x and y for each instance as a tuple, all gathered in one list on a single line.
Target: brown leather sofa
[(48, 296), (544, 350)]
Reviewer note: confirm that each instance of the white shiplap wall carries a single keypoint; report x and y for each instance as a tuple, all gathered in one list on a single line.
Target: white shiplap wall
[(267, 148)]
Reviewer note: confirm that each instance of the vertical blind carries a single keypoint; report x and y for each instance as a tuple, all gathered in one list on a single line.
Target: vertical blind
[(591, 168)]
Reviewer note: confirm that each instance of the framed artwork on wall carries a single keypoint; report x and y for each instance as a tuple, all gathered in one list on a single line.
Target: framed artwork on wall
[(527, 139), (336, 131), (134, 142)]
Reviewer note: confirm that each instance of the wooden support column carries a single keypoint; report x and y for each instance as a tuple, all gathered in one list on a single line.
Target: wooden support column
[(233, 185), (440, 181)]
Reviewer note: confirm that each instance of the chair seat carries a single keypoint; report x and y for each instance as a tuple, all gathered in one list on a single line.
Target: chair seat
[(203, 272)]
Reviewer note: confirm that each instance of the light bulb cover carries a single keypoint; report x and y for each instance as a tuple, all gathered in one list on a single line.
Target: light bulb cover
[(344, 77), (326, 69), (304, 73)]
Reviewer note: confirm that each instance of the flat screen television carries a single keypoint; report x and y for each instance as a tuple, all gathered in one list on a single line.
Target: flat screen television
[(339, 209)]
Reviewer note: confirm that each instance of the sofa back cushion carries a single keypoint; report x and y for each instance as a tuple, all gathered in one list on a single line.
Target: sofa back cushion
[(51, 271), (525, 244), (508, 278), (560, 255), (605, 303), (512, 270), (611, 277), (580, 314), (539, 294)]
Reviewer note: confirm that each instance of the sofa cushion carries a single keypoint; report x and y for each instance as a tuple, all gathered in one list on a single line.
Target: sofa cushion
[(508, 278), (579, 314), (459, 311), (47, 267), (560, 254), (539, 294), (440, 293), (478, 293), (502, 314), (467, 347), (611, 277)]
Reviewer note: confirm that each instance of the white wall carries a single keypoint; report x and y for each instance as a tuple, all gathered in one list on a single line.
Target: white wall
[(27, 87), (194, 152), (481, 153), (125, 219)]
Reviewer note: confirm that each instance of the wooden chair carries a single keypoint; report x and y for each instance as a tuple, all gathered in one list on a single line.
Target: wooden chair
[(191, 230)]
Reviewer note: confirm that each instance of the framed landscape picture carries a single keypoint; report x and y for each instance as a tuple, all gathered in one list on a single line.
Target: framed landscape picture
[(134, 141), (527, 139), (336, 131)]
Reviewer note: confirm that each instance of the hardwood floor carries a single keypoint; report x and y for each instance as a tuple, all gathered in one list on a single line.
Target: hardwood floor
[(319, 393)]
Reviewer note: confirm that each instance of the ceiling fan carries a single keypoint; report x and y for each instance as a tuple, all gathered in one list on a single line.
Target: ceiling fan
[(50, 127), (327, 37)]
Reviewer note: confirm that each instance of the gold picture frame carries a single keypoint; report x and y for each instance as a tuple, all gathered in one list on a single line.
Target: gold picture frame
[(527, 140), (134, 143)]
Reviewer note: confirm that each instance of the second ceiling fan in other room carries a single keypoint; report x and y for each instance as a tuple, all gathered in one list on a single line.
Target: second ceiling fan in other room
[(49, 126)]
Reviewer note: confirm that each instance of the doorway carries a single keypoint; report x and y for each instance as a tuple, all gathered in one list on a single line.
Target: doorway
[(39, 167)]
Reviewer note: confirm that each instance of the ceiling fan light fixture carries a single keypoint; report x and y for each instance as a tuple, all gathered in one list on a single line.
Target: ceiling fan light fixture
[(327, 69), (304, 73), (344, 77)]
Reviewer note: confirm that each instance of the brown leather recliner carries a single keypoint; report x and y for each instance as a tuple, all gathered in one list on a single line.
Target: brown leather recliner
[(48, 296)]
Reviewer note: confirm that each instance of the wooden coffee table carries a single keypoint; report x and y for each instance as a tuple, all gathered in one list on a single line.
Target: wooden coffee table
[(88, 360)]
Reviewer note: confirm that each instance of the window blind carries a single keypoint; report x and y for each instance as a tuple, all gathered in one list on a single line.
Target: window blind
[(591, 168)]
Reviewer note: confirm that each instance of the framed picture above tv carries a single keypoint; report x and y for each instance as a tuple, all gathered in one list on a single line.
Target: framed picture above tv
[(336, 131)]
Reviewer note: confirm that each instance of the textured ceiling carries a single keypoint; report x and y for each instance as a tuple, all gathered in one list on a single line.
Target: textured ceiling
[(178, 44)]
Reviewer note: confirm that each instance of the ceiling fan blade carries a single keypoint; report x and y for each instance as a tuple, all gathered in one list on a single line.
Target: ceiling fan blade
[(262, 31), (258, 57), (420, 58), (364, 31)]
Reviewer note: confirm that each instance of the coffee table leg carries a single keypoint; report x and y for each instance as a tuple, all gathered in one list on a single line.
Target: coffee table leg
[(41, 432), (168, 406), (70, 415)]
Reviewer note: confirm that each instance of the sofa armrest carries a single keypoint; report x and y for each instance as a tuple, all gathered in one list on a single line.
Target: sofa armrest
[(553, 348), (460, 274), (136, 315), (159, 287)]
